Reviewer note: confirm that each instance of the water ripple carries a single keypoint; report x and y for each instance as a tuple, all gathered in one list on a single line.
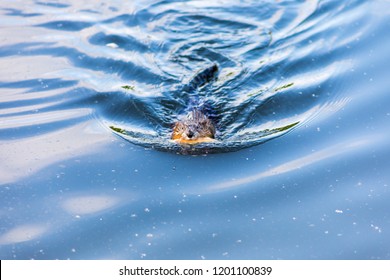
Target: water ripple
[(66, 25), (273, 58), (271, 70)]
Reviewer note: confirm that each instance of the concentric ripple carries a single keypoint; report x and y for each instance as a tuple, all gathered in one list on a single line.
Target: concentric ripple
[(272, 65), (133, 64)]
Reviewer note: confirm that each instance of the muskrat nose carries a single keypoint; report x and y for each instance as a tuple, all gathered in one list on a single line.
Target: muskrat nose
[(190, 134)]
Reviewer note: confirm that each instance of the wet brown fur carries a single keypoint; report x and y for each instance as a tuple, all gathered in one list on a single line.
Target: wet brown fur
[(195, 128)]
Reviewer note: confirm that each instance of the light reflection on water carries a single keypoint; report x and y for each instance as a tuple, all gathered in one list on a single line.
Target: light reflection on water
[(70, 188), (26, 156), (23, 233), (295, 164)]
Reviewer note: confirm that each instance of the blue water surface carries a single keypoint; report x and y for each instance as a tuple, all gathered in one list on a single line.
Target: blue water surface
[(300, 169)]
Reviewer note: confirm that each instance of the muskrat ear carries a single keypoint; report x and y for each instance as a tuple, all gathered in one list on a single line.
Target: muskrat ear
[(177, 131), (211, 127), (178, 126)]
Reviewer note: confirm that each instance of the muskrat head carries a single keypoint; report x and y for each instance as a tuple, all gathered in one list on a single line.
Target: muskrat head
[(194, 128)]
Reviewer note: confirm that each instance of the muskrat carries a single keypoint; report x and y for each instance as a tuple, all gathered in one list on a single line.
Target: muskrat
[(195, 128)]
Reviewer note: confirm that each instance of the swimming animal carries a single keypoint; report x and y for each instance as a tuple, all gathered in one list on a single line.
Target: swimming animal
[(196, 127)]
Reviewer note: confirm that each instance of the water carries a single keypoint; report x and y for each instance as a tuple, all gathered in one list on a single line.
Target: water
[(300, 166)]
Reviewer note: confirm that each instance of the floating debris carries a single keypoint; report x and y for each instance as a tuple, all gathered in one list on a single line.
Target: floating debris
[(127, 87)]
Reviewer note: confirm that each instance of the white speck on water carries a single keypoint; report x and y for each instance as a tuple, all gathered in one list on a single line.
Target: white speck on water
[(376, 228), (112, 45), (338, 211), (147, 210), (73, 250), (149, 235)]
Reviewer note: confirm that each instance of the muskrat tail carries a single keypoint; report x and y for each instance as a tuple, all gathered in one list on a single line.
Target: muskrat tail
[(203, 77)]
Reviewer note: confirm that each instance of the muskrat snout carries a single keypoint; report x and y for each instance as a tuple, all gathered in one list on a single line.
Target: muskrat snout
[(190, 134)]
